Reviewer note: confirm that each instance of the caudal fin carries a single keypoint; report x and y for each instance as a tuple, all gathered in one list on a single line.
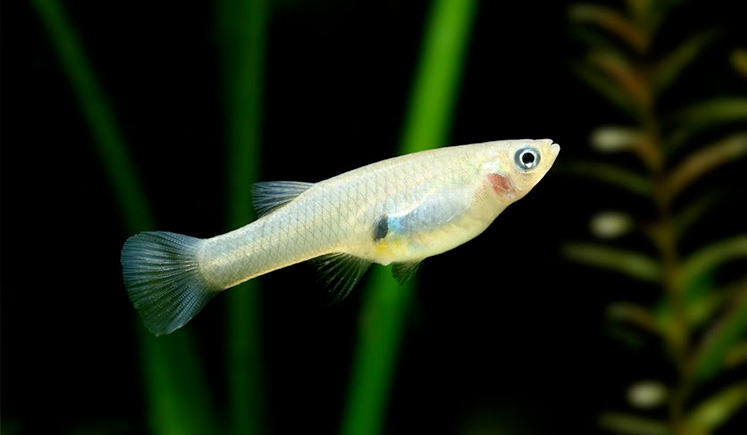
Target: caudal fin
[(163, 279)]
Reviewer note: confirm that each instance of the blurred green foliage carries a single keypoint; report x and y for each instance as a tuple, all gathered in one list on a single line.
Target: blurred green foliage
[(242, 26), (700, 319), (176, 390), (175, 386), (432, 101)]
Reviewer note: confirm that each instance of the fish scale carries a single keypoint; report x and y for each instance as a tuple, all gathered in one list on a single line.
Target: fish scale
[(401, 210)]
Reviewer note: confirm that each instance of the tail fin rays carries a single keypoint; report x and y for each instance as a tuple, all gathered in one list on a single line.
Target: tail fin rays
[(163, 279)]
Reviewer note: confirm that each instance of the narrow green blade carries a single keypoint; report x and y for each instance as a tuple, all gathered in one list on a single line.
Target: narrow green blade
[(427, 125), (175, 390), (242, 25)]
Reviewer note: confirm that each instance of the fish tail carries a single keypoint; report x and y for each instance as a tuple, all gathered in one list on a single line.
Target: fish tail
[(163, 280)]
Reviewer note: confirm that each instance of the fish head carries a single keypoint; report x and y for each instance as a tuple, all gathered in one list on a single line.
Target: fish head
[(512, 168)]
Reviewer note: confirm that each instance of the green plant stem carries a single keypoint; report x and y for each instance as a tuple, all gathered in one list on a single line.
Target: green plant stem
[(427, 124), (665, 238), (666, 241), (679, 341), (243, 26), (98, 114), (175, 391)]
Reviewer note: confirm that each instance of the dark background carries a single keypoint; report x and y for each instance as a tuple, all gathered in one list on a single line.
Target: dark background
[(504, 332)]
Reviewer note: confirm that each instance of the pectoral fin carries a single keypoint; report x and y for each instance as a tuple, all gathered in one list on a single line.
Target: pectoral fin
[(341, 272)]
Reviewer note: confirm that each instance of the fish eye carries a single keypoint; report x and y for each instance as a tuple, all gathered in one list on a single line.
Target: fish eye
[(527, 158)]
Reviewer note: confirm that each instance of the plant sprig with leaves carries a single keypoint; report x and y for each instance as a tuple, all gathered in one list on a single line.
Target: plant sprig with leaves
[(701, 320)]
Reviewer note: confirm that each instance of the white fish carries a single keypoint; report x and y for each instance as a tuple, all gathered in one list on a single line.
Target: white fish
[(398, 211)]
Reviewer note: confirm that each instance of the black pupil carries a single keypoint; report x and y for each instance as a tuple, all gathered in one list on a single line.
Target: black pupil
[(527, 158)]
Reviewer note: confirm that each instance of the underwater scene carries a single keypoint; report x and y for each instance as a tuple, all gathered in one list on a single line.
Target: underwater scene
[(169, 168)]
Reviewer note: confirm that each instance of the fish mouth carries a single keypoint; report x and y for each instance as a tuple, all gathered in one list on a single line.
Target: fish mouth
[(554, 149)]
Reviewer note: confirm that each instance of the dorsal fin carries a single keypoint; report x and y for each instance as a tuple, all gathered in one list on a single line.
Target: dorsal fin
[(268, 196), (341, 272), (403, 272)]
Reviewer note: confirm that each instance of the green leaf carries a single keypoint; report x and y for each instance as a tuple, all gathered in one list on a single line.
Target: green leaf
[(737, 355), (242, 34), (175, 390), (709, 258), (606, 87), (613, 22), (611, 224), (639, 9), (99, 115), (623, 75), (701, 309), (609, 139), (701, 303), (648, 394), (614, 139), (650, 14), (701, 116), (628, 424), (669, 69), (633, 314), (591, 37), (691, 213), (710, 356), (739, 61), (717, 110), (428, 121), (629, 263), (613, 175), (705, 160), (439, 75), (716, 410)]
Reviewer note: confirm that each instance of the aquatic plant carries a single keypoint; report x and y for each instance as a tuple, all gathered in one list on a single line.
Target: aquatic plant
[(242, 26), (175, 389), (427, 124), (667, 194), (178, 398)]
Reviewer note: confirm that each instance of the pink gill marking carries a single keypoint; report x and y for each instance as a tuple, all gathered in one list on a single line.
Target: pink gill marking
[(502, 185)]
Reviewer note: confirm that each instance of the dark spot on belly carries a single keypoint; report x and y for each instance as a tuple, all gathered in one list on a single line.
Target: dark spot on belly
[(381, 228)]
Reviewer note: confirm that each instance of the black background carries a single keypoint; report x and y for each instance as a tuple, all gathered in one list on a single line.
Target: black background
[(504, 330)]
